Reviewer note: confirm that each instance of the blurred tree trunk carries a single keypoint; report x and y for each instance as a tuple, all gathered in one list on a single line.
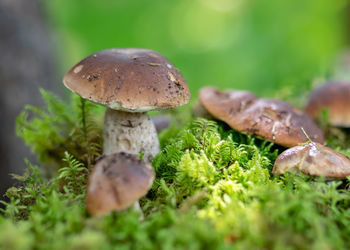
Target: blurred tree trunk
[(26, 63)]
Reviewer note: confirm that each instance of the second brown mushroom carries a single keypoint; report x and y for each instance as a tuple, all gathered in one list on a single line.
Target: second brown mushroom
[(271, 119)]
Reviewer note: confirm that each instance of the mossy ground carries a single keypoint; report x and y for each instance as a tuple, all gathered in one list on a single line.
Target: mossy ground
[(213, 190)]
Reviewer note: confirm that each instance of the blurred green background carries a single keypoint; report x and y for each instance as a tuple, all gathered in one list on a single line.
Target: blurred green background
[(259, 45)]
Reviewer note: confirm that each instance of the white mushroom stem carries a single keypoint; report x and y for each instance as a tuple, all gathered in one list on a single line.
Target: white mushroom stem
[(128, 132), (132, 133)]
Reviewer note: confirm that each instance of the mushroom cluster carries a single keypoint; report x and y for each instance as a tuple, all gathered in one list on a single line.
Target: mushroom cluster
[(313, 158), (281, 123), (129, 82)]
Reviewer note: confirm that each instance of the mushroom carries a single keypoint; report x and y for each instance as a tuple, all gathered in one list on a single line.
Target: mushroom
[(117, 181), (271, 119), (313, 159), (334, 97), (129, 82)]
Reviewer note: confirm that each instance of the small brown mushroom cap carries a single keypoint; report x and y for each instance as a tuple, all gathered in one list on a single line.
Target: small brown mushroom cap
[(117, 181), (134, 80), (271, 119), (313, 159), (335, 98)]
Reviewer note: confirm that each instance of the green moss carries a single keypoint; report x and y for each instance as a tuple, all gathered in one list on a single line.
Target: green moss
[(213, 190), (59, 127)]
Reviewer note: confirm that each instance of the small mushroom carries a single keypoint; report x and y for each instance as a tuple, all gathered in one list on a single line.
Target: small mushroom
[(117, 181), (272, 119), (129, 82), (333, 97), (313, 159)]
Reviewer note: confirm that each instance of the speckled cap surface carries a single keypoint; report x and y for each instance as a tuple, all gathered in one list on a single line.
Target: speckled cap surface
[(116, 182), (134, 80), (313, 159), (271, 119), (335, 98)]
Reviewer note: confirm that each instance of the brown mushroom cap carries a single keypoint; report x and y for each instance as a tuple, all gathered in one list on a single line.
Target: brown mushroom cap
[(334, 97), (313, 159), (117, 181), (134, 80), (271, 119)]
